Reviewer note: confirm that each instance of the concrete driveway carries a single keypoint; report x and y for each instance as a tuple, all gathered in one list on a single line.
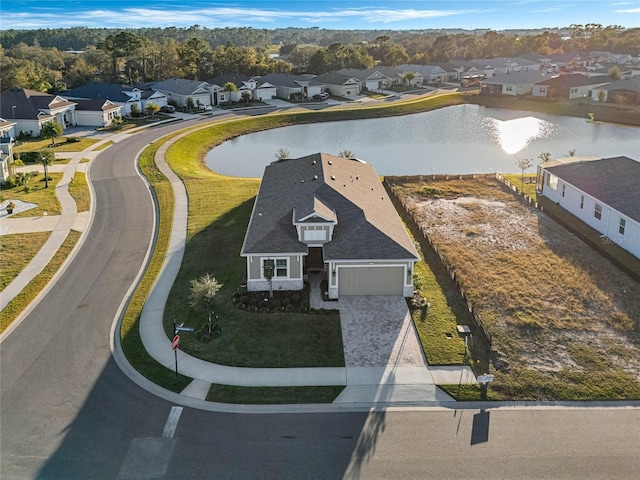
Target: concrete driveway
[(383, 356)]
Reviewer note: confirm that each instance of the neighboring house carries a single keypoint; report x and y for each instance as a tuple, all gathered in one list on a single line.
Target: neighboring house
[(568, 87), (30, 110), (97, 113), (626, 92), (255, 87), (340, 85), (181, 90), (603, 193), (6, 148), (428, 73), (330, 214), (293, 87), (370, 78), (516, 83), (124, 96), (503, 65)]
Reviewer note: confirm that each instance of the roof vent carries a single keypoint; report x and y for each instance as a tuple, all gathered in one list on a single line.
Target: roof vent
[(302, 181), (315, 177), (333, 177), (329, 162), (357, 177), (313, 163)]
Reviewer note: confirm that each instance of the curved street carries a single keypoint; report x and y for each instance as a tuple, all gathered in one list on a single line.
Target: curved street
[(68, 411)]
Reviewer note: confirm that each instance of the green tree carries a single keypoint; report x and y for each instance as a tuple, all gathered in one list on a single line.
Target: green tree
[(345, 153), (544, 157), (151, 109), (282, 153), (51, 129), (203, 292)]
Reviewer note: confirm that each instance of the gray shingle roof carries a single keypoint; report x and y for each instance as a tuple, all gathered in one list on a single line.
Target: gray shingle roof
[(103, 91), (368, 227), (286, 80), (574, 80), (513, 78), (180, 86), (614, 181), (28, 103)]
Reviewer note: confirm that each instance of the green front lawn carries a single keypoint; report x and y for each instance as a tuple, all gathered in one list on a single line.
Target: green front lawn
[(45, 198), (61, 145)]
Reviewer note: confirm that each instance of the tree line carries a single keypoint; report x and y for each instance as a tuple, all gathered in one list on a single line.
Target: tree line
[(41, 60)]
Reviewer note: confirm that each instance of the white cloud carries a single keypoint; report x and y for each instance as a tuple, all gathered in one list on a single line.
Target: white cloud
[(216, 17)]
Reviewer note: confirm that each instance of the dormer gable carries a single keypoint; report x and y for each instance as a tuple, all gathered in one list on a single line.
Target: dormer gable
[(315, 222)]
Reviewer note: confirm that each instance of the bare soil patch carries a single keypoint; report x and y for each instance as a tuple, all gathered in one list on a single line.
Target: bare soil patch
[(555, 308)]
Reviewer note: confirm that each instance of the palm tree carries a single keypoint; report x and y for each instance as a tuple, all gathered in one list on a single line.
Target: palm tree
[(282, 153), (544, 157), (51, 130), (344, 153)]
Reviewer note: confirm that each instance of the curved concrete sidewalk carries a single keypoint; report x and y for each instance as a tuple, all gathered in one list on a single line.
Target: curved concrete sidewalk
[(399, 383)]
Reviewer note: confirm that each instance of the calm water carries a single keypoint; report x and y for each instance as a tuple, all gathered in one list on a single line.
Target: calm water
[(458, 139)]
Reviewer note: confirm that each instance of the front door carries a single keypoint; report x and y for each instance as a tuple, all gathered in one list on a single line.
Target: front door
[(314, 260)]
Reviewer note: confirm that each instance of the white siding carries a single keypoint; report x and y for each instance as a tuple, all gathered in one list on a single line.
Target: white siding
[(584, 206)]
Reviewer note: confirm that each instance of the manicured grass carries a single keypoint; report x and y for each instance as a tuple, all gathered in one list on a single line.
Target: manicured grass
[(17, 252), (272, 395), (45, 198), (103, 146), (79, 190), (529, 183), (130, 328), (61, 145), (29, 293)]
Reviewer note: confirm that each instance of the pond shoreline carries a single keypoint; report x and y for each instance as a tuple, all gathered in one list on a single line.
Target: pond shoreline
[(608, 113)]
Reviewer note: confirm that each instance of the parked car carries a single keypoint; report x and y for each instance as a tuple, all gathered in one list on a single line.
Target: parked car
[(168, 109), (320, 96)]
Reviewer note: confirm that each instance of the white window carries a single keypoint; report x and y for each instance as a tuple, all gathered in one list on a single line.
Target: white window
[(552, 181), (621, 226), (309, 235), (598, 211), (280, 267)]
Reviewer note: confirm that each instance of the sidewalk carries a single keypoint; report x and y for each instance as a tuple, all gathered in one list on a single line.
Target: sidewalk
[(394, 382)]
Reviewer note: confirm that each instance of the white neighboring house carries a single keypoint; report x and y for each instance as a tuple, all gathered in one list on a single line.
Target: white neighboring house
[(97, 113), (181, 90), (30, 110), (256, 88), (124, 96), (6, 148), (340, 85), (515, 83), (602, 192), (291, 87)]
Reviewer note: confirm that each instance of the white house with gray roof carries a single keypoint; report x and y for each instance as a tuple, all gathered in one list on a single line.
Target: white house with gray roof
[(602, 192), (515, 83), (330, 214)]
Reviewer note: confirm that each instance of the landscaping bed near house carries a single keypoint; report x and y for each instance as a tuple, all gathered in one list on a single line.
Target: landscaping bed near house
[(44, 198), (565, 322)]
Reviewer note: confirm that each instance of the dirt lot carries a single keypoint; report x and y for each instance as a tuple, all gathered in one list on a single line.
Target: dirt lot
[(557, 310)]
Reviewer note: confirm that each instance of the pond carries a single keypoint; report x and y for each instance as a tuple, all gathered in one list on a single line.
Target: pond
[(457, 139)]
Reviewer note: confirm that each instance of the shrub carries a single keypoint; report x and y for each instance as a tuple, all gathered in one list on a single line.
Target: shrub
[(286, 302), (253, 301), (10, 182), (275, 303), (73, 139), (295, 298), (244, 299), (290, 308)]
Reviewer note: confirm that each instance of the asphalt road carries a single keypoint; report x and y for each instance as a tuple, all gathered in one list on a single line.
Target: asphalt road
[(68, 412)]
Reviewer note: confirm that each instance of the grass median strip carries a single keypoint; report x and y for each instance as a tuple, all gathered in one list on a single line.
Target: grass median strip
[(272, 395), (29, 293), (79, 190), (17, 251)]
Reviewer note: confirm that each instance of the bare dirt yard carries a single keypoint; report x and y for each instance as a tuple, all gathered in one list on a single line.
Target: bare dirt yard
[(565, 322)]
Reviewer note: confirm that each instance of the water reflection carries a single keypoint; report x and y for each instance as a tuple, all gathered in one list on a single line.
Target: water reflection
[(457, 139), (515, 135)]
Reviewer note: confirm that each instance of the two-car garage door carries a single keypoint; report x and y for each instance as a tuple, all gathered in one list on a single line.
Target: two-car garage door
[(370, 281)]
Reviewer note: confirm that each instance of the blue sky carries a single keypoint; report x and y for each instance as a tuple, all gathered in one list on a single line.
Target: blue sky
[(346, 14)]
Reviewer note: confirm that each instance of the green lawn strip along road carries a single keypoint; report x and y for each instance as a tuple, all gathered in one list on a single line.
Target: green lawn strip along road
[(17, 251), (79, 190), (130, 329), (194, 148), (29, 293), (62, 144)]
